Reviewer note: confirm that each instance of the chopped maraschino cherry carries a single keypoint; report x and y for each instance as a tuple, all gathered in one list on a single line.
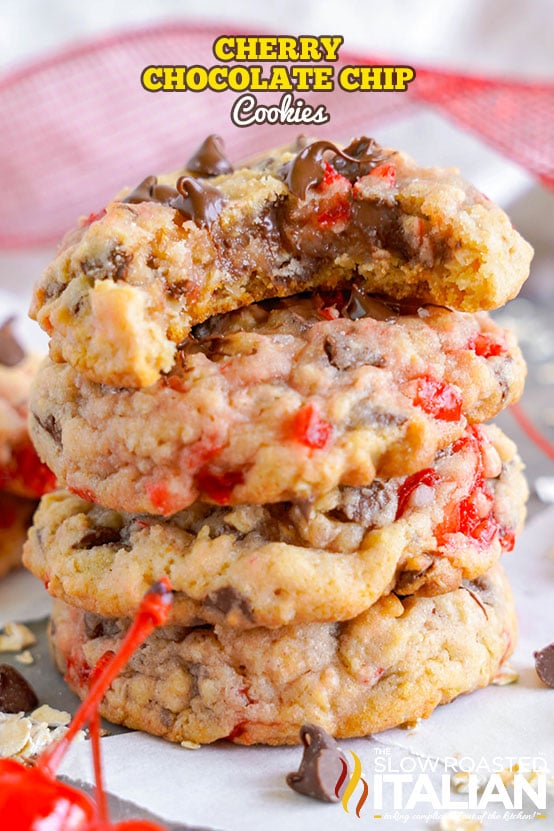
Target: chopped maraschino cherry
[(428, 477), (310, 429), (31, 799), (219, 486), (438, 399)]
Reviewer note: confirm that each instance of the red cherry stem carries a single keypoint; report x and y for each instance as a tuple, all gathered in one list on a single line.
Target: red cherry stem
[(99, 792), (529, 428), (153, 612)]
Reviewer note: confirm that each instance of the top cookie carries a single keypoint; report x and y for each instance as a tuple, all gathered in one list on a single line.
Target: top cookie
[(130, 282)]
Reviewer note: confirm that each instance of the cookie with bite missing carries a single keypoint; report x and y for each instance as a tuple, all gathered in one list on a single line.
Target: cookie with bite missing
[(130, 282)]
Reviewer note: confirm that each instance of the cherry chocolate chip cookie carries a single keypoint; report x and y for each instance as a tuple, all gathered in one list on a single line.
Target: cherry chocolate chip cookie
[(281, 400), (130, 282), (321, 560), (391, 665)]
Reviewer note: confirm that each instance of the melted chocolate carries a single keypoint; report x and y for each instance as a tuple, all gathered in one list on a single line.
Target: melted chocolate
[(210, 158), (364, 305), (308, 168), (11, 351), (198, 201)]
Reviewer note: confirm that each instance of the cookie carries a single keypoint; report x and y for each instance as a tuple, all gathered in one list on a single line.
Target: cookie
[(21, 471), (15, 518), (130, 282), (393, 664), (328, 559), (281, 400)]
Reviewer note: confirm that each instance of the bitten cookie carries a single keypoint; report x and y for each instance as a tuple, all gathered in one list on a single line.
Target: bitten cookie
[(323, 560), (130, 282), (21, 471), (281, 400), (15, 518), (392, 664)]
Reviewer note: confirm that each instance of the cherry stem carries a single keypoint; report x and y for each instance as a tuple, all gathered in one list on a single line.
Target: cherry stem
[(100, 794), (529, 428), (153, 612)]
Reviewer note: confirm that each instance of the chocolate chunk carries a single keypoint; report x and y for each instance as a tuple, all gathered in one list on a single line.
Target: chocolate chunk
[(16, 694), (544, 664), (365, 155), (50, 426), (198, 201), (210, 158), (97, 626), (11, 351), (344, 354), (363, 505), (114, 266), (381, 222), (150, 191), (98, 536), (322, 767), (364, 305), (227, 600)]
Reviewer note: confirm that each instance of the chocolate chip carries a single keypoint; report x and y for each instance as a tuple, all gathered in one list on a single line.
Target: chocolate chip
[(97, 626), (11, 351), (98, 536), (50, 426), (198, 201), (323, 765), (344, 354), (16, 694), (210, 158), (365, 155), (150, 191), (228, 599), (544, 664), (362, 305), (381, 222)]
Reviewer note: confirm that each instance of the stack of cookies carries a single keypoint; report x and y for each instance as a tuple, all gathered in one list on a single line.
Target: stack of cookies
[(23, 479), (270, 385)]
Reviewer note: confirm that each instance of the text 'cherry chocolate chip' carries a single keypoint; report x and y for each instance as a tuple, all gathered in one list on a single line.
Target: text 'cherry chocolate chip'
[(322, 766), (16, 694), (11, 351), (544, 665)]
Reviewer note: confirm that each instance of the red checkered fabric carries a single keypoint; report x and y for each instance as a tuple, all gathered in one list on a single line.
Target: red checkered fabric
[(77, 126)]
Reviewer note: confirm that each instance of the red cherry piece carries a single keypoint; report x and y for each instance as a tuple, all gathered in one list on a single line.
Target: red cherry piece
[(310, 429), (136, 825), (428, 477), (237, 730), (341, 212), (30, 799), (161, 499), (486, 346), (438, 399), (329, 177), (219, 486), (93, 217), (83, 493), (385, 171), (26, 467)]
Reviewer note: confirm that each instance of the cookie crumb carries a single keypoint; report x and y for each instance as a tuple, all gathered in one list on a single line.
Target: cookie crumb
[(458, 821), (191, 745), (25, 657), (506, 676), (15, 637)]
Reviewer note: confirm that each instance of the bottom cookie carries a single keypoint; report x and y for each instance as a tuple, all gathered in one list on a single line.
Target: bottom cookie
[(393, 664), (15, 518)]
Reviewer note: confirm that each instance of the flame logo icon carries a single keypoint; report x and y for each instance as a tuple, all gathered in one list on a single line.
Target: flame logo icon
[(355, 779)]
